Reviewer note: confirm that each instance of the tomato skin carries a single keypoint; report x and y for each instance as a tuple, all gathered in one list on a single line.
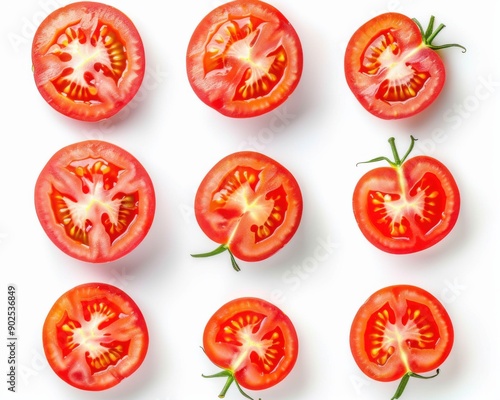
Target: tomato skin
[(94, 336), (95, 201), (400, 329), (257, 329), (407, 208), (256, 67), (380, 80), (246, 193), (74, 86)]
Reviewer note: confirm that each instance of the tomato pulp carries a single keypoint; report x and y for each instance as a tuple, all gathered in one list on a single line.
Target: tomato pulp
[(254, 343), (400, 332), (244, 58), (250, 204), (88, 60), (94, 336), (392, 67), (406, 207), (95, 201)]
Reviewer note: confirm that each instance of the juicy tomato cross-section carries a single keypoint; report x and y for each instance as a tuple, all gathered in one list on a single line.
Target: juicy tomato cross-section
[(94, 336), (400, 331), (95, 201), (244, 58), (88, 60), (253, 341), (407, 207), (392, 67), (250, 204)]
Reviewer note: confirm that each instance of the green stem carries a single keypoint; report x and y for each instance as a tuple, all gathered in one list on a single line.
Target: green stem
[(221, 249), (430, 34), (229, 381), (398, 161), (406, 378)]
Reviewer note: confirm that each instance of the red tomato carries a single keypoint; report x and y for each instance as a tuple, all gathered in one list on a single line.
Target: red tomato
[(88, 60), (250, 204), (95, 201), (400, 332), (254, 343), (244, 58), (409, 206), (94, 336), (393, 68)]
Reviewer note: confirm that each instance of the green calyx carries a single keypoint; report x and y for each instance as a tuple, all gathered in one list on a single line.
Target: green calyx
[(230, 379), (398, 161), (221, 249), (405, 380), (430, 34)]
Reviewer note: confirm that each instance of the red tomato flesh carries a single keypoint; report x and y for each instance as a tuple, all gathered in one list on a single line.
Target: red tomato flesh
[(253, 341), (400, 331), (407, 207), (244, 58), (88, 60), (392, 67), (250, 204), (95, 201), (94, 336)]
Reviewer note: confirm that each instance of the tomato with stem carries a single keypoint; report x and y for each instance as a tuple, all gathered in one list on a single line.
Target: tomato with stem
[(88, 60), (94, 336), (250, 204), (254, 343), (244, 58), (392, 66), (409, 206), (401, 332), (95, 201)]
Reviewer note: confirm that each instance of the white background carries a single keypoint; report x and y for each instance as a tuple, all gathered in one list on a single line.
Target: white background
[(319, 134)]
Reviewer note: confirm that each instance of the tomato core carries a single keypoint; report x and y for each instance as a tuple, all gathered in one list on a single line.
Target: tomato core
[(102, 352), (97, 178), (425, 202), (237, 195), (243, 331), (384, 56), (386, 336), (84, 53)]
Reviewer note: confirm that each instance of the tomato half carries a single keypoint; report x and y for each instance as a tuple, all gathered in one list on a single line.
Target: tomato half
[(95, 201), (406, 207), (244, 58), (250, 204), (400, 332), (254, 343), (94, 336), (88, 60), (393, 68)]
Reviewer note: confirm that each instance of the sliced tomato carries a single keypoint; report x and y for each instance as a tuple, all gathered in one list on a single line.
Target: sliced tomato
[(88, 60), (94, 336), (393, 68), (409, 206), (254, 343), (400, 332), (250, 204), (244, 58), (95, 201)]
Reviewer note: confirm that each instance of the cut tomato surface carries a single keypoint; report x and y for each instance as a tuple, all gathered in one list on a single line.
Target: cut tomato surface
[(254, 343), (250, 204), (409, 206), (95, 201), (392, 67), (94, 336), (400, 332), (244, 58), (88, 60)]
